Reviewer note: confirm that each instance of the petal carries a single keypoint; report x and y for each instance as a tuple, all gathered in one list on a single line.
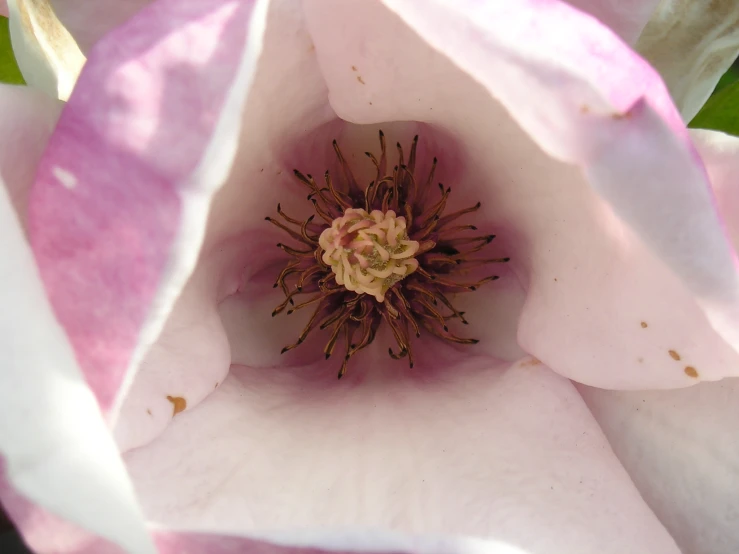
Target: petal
[(57, 451), (691, 44), (476, 448), (235, 268), (682, 450), (589, 277), (27, 118), (626, 18), (720, 153), (47, 54), (189, 359), (119, 206), (90, 21)]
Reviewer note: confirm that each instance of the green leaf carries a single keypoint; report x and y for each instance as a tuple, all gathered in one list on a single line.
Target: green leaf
[(721, 112), (9, 72), (726, 79)]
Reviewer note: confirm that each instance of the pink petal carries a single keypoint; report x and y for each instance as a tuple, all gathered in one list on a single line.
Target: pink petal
[(681, 449), (27, 118), (56, 450), (478, 448), (691, 44), (626, 18), (190, 359), (122, 193), (89, 21), (590, 279)]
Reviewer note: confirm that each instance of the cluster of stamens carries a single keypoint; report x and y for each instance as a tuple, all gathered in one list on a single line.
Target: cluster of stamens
[(363, 264)]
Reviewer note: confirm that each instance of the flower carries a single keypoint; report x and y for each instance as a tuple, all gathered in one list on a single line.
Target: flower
[(368, 266), (146, 220)]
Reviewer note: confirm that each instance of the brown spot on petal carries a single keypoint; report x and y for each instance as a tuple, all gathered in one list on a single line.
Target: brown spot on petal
[(148, 411), (640, 360), (354, 68), (178, 404), (674, 355), (359, 78), (644, 325), (618, 116), (531, 362), (690, 371), (584, 108)]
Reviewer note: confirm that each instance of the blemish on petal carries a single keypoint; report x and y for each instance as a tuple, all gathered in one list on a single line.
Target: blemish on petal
[(148, 411), (359, 78), (67, 179), (216, 385), (690, 371), (644, 325), (584, 108), (354, 68), (674, 355), (640, 360), (530, 362), (178, 404), (618, 116)]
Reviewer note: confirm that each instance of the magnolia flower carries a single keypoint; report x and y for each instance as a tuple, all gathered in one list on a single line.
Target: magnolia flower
[(147, 404)]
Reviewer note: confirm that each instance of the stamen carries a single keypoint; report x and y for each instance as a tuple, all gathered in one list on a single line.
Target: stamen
[(366, 264)]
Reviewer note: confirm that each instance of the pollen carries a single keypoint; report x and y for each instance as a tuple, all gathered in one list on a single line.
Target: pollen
[(369, 252), (384, 254)]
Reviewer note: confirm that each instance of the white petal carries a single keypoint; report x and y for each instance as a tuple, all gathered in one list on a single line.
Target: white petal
[(27, 119), (473, 447), (47, 55), (691, 43), (681, 448), (626, 17), (720, 154)]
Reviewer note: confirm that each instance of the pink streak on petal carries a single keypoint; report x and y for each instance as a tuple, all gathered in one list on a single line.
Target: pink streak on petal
[(325, 542), (133, 132)]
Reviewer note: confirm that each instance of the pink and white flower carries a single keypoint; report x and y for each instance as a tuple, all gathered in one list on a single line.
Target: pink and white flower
[(137, 271)]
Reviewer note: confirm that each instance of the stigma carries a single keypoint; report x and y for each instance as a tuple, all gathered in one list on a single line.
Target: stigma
[(369, 252)]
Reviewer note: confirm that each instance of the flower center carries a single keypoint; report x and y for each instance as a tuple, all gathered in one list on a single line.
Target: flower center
[(365, 266), (369, 252)]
